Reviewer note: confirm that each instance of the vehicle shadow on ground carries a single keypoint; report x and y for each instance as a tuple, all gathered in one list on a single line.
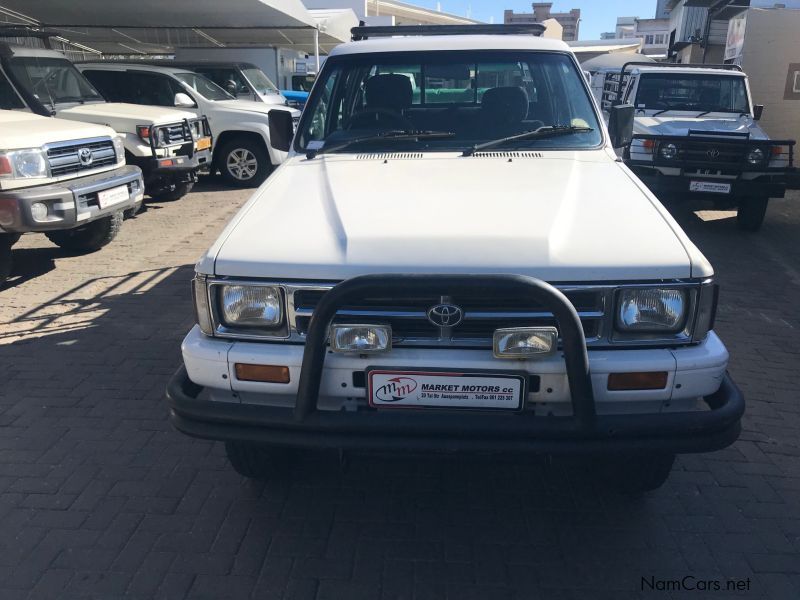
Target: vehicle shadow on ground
[(30, 263), (484, 526)]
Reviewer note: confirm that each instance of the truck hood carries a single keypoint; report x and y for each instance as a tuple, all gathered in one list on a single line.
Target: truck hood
[(567, 216), (675, 125), (249, 106), (123, 117), (19, 129)]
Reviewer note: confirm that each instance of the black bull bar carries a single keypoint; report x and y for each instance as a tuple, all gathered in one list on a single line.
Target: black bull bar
[(585, 430)]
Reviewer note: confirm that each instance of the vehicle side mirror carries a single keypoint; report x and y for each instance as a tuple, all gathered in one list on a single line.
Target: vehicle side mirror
[(184, 101), (620, 125), (281, 129), (231, 87), (758, 111)]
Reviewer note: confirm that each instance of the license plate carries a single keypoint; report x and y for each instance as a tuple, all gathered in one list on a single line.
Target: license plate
[(430, 389), (113, 196), (710, 187), (203, 144)]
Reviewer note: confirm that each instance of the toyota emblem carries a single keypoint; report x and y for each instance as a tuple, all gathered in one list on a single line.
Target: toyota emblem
[(713, 153), (445, 315), (85, 156)]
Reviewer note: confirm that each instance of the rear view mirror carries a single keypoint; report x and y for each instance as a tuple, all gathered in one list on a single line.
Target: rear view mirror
[(758, 111), (184, 101), (620, 125), (281, 129)]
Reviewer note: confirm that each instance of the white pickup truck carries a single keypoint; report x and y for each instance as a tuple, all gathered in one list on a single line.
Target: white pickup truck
[(696, 135), (243, 153), (470, 269), (170, 146), (64, 179)]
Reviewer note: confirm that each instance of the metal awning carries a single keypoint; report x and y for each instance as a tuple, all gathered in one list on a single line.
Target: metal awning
[(158, 26)]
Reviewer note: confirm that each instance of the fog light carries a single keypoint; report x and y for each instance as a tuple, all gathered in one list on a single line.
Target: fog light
[(262, 373), (361, 338), (39, 211), (618, 382), (522, 342)]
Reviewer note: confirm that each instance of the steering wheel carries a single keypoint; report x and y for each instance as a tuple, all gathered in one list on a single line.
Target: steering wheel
[(400, 121)]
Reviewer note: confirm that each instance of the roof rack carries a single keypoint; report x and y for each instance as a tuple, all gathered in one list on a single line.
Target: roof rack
[(671, 65), (364, 33)]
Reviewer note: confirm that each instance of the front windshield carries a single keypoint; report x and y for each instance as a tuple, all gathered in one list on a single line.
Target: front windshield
[(259, 81), (52, 80), (204, 86), (476, 96), (700, 92)]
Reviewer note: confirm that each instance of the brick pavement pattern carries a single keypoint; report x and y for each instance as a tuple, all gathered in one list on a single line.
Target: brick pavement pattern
[(100, 498)]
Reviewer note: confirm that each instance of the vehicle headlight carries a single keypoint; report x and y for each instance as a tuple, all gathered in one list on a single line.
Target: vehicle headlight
[(251, 306), (119, 149), (24, 164), (669, 151), (651, 310), (756, 156), (161, 137)]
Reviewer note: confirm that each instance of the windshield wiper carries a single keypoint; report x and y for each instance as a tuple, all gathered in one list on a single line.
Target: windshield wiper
[(678, 107), (385, 135), (536, 134)]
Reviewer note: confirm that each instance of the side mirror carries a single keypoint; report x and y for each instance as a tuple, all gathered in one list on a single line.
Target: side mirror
[(184, 101), (758, 111), (620, 125), (281, 129), (232, 88)]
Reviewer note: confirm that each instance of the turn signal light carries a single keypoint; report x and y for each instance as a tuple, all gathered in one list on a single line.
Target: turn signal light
[(649, 145), (262, 373), (618, 382), (144, 132), (166, 162), (5, 166)]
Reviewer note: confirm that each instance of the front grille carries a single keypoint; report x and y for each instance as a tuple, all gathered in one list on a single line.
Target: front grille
[(66, 158), (483, 314), (719, 154)]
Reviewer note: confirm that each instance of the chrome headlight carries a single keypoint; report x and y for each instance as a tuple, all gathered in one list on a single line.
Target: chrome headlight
[(251, 306), (119, 149), (756, 156), (651, 310), (24, 164), (669, 151)]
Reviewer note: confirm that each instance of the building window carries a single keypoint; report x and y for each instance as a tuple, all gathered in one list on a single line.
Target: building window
[(648, 40)]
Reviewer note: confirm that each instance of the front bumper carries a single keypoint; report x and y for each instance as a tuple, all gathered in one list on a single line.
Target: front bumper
[(179, 166), (677, 185), (70, 203), (306, 414)]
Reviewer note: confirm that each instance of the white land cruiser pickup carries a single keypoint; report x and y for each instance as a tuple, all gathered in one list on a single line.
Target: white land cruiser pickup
[(243, 153), (471, 270), (696, 135), (169, 146), (67, 180)]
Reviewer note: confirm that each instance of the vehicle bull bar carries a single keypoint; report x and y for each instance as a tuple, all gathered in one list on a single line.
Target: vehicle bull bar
[(398, 286)]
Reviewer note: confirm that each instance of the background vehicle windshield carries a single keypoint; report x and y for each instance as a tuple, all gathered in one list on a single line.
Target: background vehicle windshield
[(478, 96), (52, 80), (259, 81), (716, 93), (204, 86)]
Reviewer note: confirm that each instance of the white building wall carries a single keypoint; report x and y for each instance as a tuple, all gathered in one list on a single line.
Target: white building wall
[(771, 59)]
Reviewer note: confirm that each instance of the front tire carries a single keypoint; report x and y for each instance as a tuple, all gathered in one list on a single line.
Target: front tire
[(751, 214), (6, 262), (244, 162), (636, 474), (172, 192), (90, 237), (256, 461)]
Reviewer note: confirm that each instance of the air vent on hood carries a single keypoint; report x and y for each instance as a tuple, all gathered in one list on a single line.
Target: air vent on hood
[(508, 155), (389, 155)]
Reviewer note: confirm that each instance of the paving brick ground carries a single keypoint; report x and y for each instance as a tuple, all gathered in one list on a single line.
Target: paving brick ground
[(100, 498)]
